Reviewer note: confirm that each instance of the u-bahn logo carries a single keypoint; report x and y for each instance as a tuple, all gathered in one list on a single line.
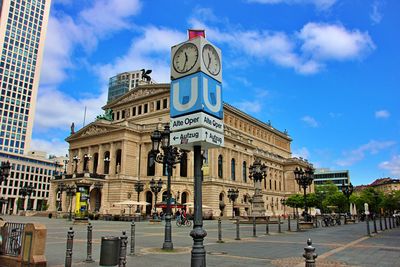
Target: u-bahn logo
[(196, 92)]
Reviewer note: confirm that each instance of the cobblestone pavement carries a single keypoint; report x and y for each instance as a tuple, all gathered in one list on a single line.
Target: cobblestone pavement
[(345, 245)]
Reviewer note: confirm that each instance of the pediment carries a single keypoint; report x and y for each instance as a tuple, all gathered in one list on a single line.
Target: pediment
[(99, 127)]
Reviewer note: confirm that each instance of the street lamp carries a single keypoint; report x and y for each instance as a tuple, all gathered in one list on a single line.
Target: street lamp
[(4, 171), (347, 190), (258, 172), (86, 160), (169, 157), (139, 186), (76, 159), (233, 195), (98, 186), (283, 203), (66, 161), (61, 188), (304, 179), (107, 165), (155, 187), (22, 193), (70, 190)]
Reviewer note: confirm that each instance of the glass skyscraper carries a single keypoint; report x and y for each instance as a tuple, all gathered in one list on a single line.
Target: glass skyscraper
[(23, 25)]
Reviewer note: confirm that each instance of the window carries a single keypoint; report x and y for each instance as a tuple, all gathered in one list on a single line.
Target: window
[(123, 114), (134, 111), (220, 166), (158, 105), (151, 166), (233, 174), (139, 110), (145, 108), (244, 170), (165, 103)]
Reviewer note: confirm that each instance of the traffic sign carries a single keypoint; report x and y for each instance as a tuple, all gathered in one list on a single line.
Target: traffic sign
[(203, 137), (196, 120)]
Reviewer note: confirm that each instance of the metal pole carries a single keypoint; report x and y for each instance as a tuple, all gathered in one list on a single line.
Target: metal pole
[(122, 251), (219, 231), (198, 256), (390, 223), (89, 243), (168, 245), (309, 254), (380, 221), (70, 209), (297, 224), (375, 230), (70, 244), (132, 239), (288, 224), (279, 224), (385, 222), (237, 229), (254, 227), (267, 225), (368, 230)]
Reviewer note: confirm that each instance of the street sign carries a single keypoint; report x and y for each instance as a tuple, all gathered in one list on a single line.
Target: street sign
[(197, 120), (203, 137)]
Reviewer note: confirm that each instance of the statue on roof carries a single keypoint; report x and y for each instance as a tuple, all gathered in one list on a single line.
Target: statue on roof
[(106, 116), (72, 128)]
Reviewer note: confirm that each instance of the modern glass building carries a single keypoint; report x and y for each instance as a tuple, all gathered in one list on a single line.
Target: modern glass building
[(23, 25), (338, 177)]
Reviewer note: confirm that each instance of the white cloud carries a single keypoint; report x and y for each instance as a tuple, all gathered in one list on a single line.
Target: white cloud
[(376, 15), (302, 152), (332, 41), (319, 4), (358, 154), (382, 114), (310, 121), (53, 147), (249, 106), (393, 165)]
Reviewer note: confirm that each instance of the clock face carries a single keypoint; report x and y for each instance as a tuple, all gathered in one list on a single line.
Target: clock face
[(185, 58), (211, 59)]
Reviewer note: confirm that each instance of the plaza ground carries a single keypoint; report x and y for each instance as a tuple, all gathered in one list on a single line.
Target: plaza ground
[(345, 245)]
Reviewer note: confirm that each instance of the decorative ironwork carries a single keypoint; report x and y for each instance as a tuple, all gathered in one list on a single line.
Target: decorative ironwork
[(304, 179)]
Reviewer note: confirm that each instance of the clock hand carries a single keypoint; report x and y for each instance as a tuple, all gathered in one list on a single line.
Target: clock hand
[(209, 61), (186, 60)]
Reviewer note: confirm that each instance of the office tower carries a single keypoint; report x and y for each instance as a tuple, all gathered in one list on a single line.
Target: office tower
[(23, 25)]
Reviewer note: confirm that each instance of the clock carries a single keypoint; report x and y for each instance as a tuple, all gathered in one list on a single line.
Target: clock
[(211, 59), (185, 58)]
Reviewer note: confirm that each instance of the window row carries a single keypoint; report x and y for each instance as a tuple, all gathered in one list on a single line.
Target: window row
[(141, 109)]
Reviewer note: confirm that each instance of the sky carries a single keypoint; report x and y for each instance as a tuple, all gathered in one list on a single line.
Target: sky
[(327, 71)]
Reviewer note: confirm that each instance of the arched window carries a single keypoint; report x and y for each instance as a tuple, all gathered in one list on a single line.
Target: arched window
[(183, 164), (220, 166), (275, 185), (233, 174), (244, 171), (95, 162), (118, 161), (270, 184), (107, 162), (151, 166)]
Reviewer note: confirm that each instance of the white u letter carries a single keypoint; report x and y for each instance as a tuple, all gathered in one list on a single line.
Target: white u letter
[(193, 96), (214, 108)]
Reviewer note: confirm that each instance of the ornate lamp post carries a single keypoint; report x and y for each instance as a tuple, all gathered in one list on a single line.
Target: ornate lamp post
[(155, 187), (4, 171), (283, 203), (22, 193), (233, 195), (29, 190), (139, 186), (258, 172), (70, 190), (347, 190), (304, 179), (169, 157), (66, 161), (76, 160), (98, 186), (61, 188)]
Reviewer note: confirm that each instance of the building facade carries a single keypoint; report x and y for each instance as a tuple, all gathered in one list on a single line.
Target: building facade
[(107, 157), (121, 83), (23, 26), (33, 170), (338, 177), (386, 185)]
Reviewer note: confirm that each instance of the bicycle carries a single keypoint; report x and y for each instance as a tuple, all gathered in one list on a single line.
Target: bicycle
[(184, 222), (15, 241)]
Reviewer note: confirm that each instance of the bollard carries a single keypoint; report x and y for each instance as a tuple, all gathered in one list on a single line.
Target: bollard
[(219, 231), (267, 226), (288, 223), (390, 223), (254, 227), (297, 224), (132, 253), (70, 243), (385, 223), (368, 230), (122, 251), (375, 230), (279, 224), (89, 243), (315, 221), (309, 254), (237, 229), (380, 222)]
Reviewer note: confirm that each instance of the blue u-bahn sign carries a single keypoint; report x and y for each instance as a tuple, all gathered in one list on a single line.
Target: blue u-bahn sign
[(194, 93)]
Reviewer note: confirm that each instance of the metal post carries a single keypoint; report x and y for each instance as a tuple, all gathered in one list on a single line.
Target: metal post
[(390, 223), (288, 223), (70, 244), (368, 230), (267, 226), (122, 249), (297, 224), (168, 245), (219, 231), (132, 239), (237, 229), (309, 254), (254, 227), (375, 230), (198, 256), (385, 222), (89, 243), (380, 221), (279, 224)]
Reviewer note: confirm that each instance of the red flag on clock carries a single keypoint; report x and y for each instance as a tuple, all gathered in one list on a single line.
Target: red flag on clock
[(195, 33)]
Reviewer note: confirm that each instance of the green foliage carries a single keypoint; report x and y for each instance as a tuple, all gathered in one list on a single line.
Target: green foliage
[(295, 201)]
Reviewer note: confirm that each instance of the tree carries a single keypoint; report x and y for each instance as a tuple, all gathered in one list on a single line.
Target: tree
[(295, 201)]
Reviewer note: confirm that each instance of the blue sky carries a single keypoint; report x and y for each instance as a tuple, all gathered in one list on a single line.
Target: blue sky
[(327, 71)]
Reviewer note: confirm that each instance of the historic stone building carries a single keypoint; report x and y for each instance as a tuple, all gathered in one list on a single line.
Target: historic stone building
[(109, 156)]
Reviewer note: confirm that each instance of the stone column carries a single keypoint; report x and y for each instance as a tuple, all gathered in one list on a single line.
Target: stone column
[(123, 159), (100, 163), (80, 165), (113, 159), (90, 161)]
